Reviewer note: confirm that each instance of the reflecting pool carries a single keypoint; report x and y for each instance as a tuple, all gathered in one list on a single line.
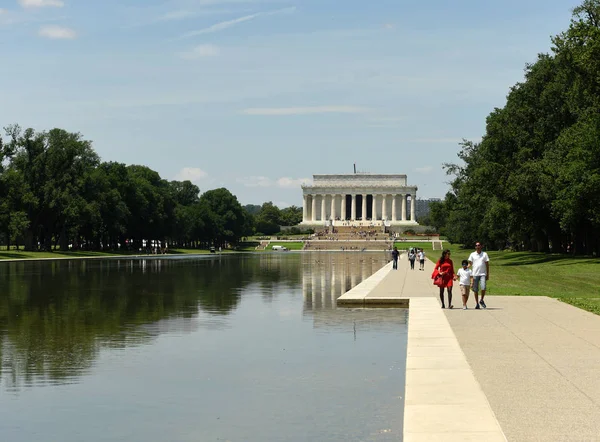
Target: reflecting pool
[(217, 348)]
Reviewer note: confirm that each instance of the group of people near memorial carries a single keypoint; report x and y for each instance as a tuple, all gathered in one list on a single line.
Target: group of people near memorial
[(473, 278), (413, 255)]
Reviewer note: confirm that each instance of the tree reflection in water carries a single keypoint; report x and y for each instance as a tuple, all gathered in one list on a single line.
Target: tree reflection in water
[(56, 316)]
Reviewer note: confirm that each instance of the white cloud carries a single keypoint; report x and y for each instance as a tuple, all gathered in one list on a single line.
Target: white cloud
[(229, 23), (12, 17), (424, 169), (175, 15), (192, 174), (200, 51), (57, 32), (41, 3), (291, 183), (305, 110), (255, 181), (283, 182)]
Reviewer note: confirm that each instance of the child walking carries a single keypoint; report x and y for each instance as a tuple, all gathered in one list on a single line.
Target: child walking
[(465, 274), (421, 255)]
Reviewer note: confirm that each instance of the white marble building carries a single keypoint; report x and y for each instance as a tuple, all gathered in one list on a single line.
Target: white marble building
[(359, 199)]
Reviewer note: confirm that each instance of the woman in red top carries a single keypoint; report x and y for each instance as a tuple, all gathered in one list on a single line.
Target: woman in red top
[(445, 268)]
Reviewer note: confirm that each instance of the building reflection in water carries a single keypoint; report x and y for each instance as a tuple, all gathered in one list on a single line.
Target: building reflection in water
[(327, 276)]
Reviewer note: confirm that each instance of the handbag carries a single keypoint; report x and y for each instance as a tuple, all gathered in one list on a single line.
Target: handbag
[(438, 280)]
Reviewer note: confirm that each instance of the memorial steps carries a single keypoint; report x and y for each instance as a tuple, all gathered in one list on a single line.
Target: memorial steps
[(349, 238), (346, 245)]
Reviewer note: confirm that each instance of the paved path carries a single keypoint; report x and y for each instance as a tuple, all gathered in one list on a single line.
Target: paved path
[(536, 359), (538, 362)]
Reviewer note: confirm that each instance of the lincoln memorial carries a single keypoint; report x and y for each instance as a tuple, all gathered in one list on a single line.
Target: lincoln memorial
[(359, 199)]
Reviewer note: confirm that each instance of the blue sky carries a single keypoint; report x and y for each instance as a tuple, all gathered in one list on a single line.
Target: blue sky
[(258, 95)]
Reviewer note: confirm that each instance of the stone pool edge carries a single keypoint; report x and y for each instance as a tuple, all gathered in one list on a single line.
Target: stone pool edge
[(359, 295), (443, 400)]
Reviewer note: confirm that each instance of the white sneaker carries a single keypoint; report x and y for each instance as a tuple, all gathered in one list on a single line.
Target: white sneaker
[(464, 307)]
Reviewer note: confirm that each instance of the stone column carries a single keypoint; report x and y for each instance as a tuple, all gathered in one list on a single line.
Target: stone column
[(343, 216), (404, 207), (374, 209), (323, 213), (413, 206), (353, 210), (313, 214), (304, 208), (394, 207), (383, 207), (333, 207), (364, 207)]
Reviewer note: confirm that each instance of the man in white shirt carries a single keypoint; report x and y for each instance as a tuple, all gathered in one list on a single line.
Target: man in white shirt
[(480, 265)]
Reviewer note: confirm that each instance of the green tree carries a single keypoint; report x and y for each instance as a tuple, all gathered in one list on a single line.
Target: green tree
[(268, 219), (225, 219), (291, 216), (252, 209), (532, 181)]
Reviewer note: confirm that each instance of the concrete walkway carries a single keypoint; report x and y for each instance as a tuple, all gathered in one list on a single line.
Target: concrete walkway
[(531, 365), (538, 361)]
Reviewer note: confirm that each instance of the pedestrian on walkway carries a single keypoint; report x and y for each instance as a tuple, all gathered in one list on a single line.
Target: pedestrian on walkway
[(395, 255), (445, 268), (480, 265), (466, 280), (421, 259), (411, 258)]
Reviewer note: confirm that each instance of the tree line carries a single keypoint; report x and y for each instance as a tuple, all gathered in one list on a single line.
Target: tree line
[(533, 182), (56, 192)]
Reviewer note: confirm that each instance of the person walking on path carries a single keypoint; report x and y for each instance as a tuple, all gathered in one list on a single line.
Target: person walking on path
[(445, 268), (411, 258), (395, 255), (480, 265), (466, 279), (421, 259)]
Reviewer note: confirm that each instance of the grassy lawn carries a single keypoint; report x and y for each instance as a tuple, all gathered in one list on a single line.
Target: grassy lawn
[(575, 280), (535, 274), (290, 245)]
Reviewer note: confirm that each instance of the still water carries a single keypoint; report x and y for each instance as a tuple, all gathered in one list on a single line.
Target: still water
[(222, 348)]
